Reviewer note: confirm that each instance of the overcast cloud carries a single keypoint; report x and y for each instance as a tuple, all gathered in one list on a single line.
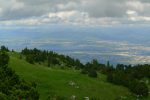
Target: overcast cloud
[(85, 12)]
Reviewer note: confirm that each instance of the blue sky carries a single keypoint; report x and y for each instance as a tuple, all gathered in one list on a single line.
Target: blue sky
[(76, 12)]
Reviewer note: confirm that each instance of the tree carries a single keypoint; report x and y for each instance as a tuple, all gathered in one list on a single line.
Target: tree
[(92, 73), (3, 48), (139, 88), (110, 77), (120, 67), (95, 64), (108, 64), (84, 71), (4, 58), (30, 58)]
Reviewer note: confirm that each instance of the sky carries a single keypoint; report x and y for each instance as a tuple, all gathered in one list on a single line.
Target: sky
[(76, 12)]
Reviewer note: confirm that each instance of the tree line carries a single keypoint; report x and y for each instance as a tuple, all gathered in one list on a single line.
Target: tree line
[(136, 78), (50, 58)]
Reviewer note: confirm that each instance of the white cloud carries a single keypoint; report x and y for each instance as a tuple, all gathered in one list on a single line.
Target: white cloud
[(69, 5), (88, 12), (64, 14), (131, 12), (135, 5), (16, 5)]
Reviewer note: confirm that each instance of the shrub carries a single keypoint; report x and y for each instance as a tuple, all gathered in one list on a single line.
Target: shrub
[(92, 73), (4, 58), (110, 77), (84, 71), (139, 88)]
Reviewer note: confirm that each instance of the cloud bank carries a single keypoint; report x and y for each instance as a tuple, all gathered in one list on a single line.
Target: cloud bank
[(84, 12)]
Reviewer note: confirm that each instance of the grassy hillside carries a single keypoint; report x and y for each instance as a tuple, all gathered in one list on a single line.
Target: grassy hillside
[(56, 82)]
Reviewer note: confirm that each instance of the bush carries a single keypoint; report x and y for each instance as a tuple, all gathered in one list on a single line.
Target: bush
[(84, 71), (4, 58), (139, 88), (30, 59), (110, 77), (92, 73)]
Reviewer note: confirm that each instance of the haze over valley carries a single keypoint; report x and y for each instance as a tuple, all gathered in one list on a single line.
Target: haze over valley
[(118, 44)]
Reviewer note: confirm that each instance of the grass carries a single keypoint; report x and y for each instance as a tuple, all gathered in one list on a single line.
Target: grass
[(52, 81)]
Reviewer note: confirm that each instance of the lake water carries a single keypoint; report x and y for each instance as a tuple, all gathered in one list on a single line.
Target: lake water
[(118, 44)]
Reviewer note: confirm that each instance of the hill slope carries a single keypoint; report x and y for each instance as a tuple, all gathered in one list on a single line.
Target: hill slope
[(58, 82)]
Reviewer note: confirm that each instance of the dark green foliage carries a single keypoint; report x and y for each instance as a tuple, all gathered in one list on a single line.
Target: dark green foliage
[(120, 67), (118, 77), (3, 48), (52, 58), (108, 64), (52, 61), (110, 77), (84, 71), (4, 58), (3, 96), (89, 72), (56, 98), (34, 55), (34, 95), (30, 58), (131, 77), (139, 88), (92, 73), (95, 64), (11, 86), (92, 67)]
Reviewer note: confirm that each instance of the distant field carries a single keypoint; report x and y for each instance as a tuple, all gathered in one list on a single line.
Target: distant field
[(56, 82)]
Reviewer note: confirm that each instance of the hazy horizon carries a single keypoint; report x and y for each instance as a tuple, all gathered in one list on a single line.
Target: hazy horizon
[(118, 44)]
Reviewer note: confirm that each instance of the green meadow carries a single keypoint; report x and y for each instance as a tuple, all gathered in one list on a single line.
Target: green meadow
[(56, 82)]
